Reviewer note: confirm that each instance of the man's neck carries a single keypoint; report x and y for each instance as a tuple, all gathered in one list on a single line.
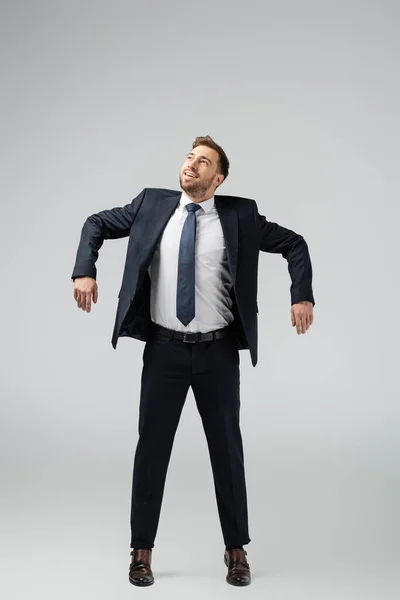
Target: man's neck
[(196, 199)]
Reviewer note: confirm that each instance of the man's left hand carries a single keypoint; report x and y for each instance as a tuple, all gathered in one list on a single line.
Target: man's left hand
[(302, 315)]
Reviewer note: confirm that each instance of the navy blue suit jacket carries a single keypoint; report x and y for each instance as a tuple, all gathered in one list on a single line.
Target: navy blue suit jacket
[(246, 232)]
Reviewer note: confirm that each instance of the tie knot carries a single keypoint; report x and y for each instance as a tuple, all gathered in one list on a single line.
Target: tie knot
[(192, 207)]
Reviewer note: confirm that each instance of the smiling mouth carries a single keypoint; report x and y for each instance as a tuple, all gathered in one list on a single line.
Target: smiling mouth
[(188, 174)]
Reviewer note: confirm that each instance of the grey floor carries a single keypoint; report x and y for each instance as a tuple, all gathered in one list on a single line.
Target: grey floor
[(47, 570), (71, 541), (323, 509)]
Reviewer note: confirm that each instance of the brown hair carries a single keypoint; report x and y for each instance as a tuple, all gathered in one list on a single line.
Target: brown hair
[(207, 140)]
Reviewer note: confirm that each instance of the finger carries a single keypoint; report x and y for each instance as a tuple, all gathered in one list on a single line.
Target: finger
[(292, 317), (302, 325), (79, 299), (95, 294), (88, 301), (76, 294), (83, 300), (298, 324)]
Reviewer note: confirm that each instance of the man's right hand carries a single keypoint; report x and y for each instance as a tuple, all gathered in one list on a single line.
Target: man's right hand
[(85, 288)]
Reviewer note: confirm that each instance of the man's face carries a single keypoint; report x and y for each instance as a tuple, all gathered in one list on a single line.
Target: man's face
[(199, 175)]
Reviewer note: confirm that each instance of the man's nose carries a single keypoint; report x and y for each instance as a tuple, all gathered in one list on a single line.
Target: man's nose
[(192, 163)]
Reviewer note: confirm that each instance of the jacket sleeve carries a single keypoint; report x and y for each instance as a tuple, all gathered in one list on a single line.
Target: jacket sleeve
[(105, 225), (293, 247)]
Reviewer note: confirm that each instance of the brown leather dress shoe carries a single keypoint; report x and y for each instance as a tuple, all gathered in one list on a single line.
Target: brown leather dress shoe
[(140, 572), (238, 567)]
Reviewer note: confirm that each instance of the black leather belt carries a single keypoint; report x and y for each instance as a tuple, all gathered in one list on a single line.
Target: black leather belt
[(192, 338)]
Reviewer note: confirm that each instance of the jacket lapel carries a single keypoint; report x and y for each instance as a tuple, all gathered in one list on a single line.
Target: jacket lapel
[(229, 222), (153, 223), (145, 233)]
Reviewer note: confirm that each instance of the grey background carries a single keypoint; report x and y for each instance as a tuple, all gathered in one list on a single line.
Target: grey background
[(102, 99)]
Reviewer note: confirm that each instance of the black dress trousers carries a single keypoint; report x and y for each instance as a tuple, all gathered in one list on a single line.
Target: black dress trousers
[(170, 366)]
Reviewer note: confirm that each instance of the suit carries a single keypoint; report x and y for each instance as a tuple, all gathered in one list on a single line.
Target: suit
[(246, 232), (171, 366)]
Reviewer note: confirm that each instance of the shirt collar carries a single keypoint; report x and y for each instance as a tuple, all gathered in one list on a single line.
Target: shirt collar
[(206, 205)]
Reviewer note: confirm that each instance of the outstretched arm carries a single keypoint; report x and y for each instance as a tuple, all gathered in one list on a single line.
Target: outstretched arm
[(293, 247), (105, 225)]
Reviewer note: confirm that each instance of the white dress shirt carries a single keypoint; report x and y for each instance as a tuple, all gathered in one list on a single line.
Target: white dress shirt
[(212, 276)]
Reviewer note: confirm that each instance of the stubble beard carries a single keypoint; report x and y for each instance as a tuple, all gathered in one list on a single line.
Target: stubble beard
[(196, 188)]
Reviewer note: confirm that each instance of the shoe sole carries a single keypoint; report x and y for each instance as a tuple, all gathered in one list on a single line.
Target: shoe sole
[(143, 584), (238, 584)]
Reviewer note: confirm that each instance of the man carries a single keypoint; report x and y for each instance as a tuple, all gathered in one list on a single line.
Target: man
[(189, 290)]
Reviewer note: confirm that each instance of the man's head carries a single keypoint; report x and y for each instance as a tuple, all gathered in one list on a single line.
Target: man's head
[(205, 168)]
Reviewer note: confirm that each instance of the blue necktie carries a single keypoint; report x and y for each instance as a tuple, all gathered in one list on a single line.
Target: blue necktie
[(185, 309)]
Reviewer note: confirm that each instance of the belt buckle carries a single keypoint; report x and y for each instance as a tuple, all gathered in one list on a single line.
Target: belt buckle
[(184, 339)]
